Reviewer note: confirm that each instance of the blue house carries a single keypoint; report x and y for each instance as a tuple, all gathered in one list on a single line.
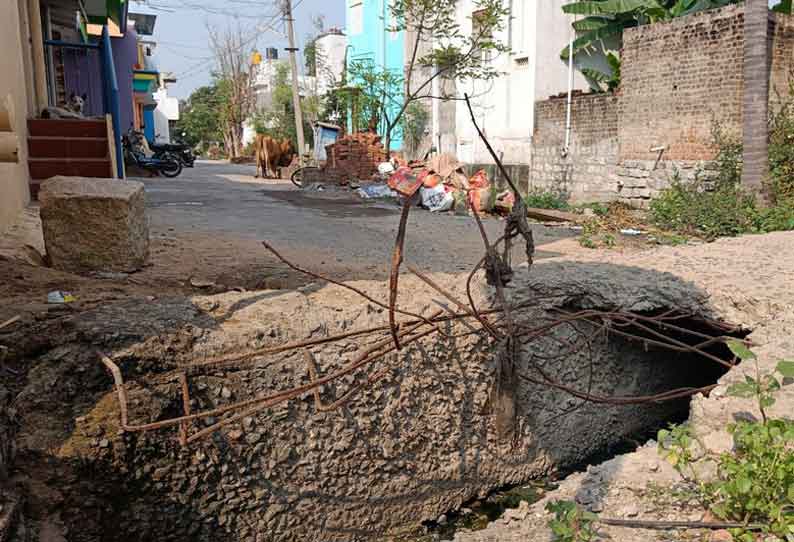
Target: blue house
[(369, 38)]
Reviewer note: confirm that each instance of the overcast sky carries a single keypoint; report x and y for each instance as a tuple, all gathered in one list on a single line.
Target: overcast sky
[(181, 31)]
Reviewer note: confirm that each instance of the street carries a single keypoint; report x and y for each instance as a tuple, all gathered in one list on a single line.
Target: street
[(209, 222)]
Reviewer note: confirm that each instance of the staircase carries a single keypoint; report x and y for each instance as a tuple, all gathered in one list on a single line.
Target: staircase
[(67, 147)]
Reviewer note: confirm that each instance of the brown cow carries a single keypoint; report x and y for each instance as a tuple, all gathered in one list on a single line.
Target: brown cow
[(271, 154)]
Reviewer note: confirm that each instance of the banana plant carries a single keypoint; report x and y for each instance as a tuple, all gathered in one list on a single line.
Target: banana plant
[(600, 30)]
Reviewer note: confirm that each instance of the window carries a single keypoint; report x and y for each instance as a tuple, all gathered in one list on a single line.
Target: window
[(356, 21)]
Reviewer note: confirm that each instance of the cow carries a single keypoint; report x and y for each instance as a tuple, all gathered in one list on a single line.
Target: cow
[(271, 154)]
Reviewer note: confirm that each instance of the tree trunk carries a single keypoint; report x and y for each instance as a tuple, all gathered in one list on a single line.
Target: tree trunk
[(755, 129)]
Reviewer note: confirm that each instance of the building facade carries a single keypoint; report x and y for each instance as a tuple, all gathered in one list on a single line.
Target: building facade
[(51, 51), (369, 39), (331, 52), (535, 34)]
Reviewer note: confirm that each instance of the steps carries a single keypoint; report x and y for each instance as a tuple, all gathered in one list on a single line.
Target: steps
[(67, 147)]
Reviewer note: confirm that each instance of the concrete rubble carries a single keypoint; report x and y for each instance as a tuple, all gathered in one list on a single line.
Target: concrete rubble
[(418, 444), (94, 224)]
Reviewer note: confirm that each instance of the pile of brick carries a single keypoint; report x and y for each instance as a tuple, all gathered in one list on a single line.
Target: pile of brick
[(353, 157)]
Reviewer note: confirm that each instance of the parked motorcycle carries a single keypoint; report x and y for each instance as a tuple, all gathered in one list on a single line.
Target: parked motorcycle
[(180, 150), (135, 154)]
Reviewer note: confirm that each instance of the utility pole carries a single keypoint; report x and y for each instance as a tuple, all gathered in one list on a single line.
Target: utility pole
[(296, 99)]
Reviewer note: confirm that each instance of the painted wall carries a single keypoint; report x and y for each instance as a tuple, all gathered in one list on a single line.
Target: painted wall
[(83, 73), (367, 21), (331, 49), (83, 76), (125, 56), (535, 34), (167, 110), (14, 192)]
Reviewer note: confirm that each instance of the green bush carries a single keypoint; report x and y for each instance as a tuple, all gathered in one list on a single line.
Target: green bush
[(693, 209), (546, 199), (570, 523), (720, 207), (754, 481)]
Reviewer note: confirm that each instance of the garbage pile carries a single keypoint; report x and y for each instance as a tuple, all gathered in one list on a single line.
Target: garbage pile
[(443, 186)]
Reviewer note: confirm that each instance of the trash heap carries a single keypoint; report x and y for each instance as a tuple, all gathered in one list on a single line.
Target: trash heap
[(443, 186)]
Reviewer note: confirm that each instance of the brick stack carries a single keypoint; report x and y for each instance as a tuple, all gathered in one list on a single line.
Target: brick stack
[(354, 157)]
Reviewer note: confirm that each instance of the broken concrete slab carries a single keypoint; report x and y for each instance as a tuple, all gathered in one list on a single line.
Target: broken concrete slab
[(94, 224), (420, 443)]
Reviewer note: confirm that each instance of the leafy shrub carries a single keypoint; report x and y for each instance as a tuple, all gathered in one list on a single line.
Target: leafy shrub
[(755, 481), (570, 523), (781, 154), (721, 207), (546, 199), (694, 209)]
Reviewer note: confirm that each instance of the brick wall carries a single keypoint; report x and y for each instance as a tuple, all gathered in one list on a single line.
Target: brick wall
[(677, 79), (587, 172), (782, 71)]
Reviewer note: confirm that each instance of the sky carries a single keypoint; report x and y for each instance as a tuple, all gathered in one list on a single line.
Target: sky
[(181, 31)]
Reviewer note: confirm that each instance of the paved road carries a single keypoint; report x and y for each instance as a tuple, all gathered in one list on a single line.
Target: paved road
[(333, 230)]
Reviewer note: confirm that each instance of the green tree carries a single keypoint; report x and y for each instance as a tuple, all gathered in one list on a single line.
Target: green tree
[(278, 120), (199, 117), (439, 48)]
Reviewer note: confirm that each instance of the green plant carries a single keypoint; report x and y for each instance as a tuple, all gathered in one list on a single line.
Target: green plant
[(755, 480), (546, 199), (596, 234), (704, 209), (675, 446), (570, 523), (413, 124), (720, 207), (599, 79)]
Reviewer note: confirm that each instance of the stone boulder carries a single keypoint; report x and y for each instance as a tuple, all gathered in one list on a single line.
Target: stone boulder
[(94, 224)]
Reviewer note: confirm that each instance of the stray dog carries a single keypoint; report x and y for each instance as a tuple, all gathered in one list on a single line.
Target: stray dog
[(76, 103), (73, 109)]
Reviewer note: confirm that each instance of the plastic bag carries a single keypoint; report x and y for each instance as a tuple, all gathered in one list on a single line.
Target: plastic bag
[(431, 180), (481, 199), (505, 201), (376, 190), (437, 198), (385, 168)]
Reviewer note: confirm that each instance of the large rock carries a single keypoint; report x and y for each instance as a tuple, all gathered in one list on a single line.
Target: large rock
[(94, 224)]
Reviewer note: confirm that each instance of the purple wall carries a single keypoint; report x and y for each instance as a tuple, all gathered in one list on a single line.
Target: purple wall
[(125, 56), (83, 75)]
